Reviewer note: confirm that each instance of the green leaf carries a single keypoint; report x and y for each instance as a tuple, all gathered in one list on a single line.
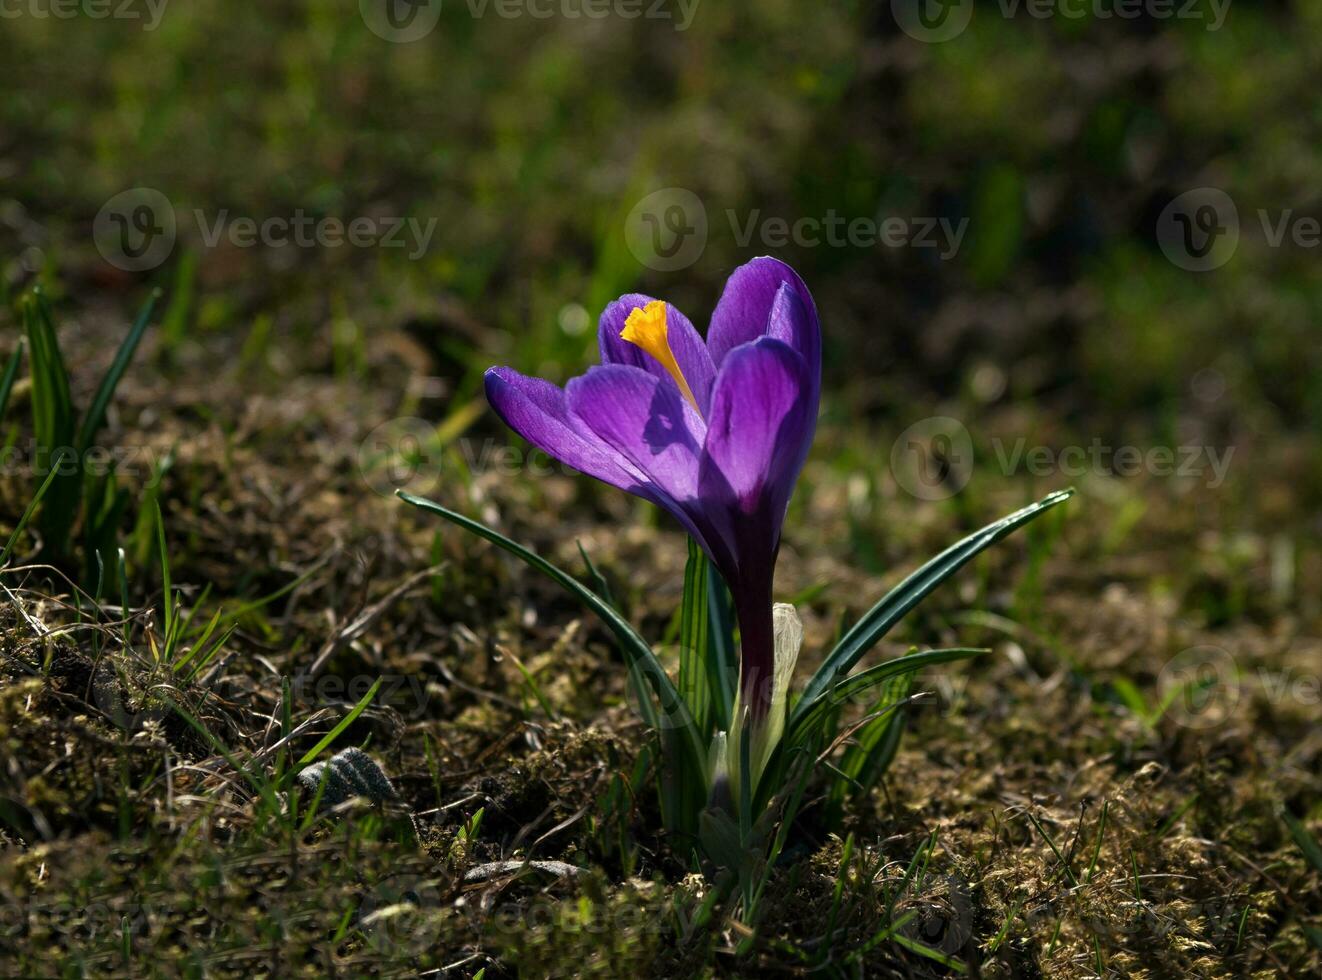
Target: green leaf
[(876, 743), (27, 516), (878, 621), (255, 778), (175, 322), (1133, 699), (694, 680), (636, 682), (1313, 933), (311, 755), (804, 722), (104, 503), (11, 372), (96, 412), (722, 661), (52, 407), (1306, 841), (915, 946), (675, 714), (166, 587), (53, 426)]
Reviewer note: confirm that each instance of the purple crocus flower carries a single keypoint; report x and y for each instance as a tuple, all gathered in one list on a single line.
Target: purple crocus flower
[(715, 433)]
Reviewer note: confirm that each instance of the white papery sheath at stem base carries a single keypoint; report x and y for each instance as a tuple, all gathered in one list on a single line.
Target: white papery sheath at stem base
[(767, 731)]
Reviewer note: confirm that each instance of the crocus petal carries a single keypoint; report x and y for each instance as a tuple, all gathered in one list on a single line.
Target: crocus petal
[(654, 429), (745, 312), (759, 425), (539, 411), (645, 420), (685, 343), (795, 322)]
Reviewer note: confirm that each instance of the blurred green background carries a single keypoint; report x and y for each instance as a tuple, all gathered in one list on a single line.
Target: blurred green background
[(1055, 142), (1136, 264)]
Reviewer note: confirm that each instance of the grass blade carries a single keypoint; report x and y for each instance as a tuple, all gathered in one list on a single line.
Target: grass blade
[(1306, 841), (897, 603), (675, 715), (52, 405), (914, 946), (11, 372), (165, 582), (52, 425), (311, 755), (254, 778), (96, 412), (27, 516), (636, 683)]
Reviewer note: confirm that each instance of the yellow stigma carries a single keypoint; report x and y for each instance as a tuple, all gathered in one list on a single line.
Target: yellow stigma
[(646, 328)]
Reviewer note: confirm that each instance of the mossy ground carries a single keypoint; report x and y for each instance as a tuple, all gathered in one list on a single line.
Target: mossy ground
[(131, 841), (1053, 811)]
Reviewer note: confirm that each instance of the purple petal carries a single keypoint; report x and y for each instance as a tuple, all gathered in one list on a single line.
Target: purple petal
[(759, 430), (796, 324), (751, 307), (538, 411), (646, 420), (761, 425), (655, 430), (685, 343)]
